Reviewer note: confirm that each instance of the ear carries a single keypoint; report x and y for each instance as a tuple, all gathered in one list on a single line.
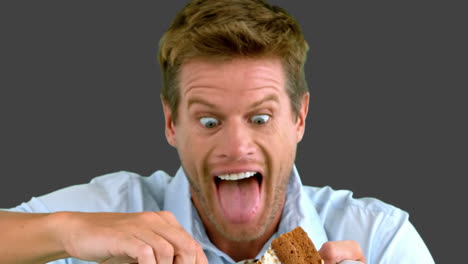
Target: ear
[(169, 124), (301, 116)]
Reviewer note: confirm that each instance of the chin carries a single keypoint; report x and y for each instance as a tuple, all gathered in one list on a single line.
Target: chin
[(243, 233), (240, 232)]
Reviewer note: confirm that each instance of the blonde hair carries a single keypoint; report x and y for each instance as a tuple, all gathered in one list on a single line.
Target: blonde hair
[(227, 29)]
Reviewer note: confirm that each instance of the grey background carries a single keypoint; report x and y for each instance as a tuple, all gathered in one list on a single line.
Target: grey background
[(79, 97)]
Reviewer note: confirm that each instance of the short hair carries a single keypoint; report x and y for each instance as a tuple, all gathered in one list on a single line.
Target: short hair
[(228, 29)]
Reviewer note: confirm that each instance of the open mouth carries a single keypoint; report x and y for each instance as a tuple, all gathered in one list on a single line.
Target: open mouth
[(239, 195)]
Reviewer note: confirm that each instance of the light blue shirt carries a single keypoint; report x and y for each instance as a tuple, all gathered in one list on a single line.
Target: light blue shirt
[(384, 232)]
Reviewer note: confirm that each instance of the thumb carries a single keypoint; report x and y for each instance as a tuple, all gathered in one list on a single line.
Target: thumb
[(201, 257)]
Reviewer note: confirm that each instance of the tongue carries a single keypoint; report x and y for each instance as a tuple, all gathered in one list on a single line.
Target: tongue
[(239, 199)]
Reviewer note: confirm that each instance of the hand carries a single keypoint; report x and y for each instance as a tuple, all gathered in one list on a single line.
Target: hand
[(144, 238), (334, 252)]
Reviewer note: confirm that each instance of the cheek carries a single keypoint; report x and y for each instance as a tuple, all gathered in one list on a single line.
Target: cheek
[(193, 152), (279, 148), (186, 153), (186, 140), (285, 137), (284, 151)]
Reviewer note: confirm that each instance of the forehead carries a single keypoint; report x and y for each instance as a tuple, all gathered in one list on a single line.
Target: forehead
[(236, 75)]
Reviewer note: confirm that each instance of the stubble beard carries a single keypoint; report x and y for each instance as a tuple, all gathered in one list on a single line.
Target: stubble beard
[(241, 235)]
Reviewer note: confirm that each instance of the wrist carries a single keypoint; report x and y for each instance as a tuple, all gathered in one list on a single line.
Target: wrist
[(57, 226)]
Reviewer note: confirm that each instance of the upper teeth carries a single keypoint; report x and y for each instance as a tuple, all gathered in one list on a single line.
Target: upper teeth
[(236, 176)]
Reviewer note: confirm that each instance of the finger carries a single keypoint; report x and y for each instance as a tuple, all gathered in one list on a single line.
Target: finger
[(200, 256), (168, 217), (166, 226), (119, 260), (185, 247), (163, 250), (336, 251), (133, 250), (187, 254)]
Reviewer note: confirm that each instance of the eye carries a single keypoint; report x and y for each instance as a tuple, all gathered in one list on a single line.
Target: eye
[(260, 119), (209, 122)]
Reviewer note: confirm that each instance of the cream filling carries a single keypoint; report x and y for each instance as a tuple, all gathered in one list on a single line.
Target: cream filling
[(270, 257)]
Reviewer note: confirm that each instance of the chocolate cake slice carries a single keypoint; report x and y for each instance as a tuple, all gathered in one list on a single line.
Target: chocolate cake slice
[(294, 247)]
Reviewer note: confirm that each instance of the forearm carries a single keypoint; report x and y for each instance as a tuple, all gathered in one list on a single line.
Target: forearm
[(30, 238)]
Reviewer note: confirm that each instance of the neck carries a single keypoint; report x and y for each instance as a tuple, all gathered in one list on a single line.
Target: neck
[(241, 250)]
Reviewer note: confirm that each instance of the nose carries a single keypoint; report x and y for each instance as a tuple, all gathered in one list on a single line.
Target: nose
[(235, 143)]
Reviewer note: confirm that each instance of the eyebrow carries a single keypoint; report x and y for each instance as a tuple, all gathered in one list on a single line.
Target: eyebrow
[(271, 97), (196, 100)]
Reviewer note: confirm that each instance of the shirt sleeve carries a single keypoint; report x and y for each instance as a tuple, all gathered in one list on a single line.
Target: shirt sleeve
[(115, 192), (404, 246), (383, 231)]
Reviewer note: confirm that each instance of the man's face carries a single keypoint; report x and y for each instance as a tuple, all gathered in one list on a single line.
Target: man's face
[(236, 137)]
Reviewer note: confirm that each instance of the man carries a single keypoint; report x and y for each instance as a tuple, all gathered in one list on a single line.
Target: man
[(235, 102)]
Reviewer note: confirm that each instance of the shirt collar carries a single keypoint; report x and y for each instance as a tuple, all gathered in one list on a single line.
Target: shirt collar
[(298, 211)]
